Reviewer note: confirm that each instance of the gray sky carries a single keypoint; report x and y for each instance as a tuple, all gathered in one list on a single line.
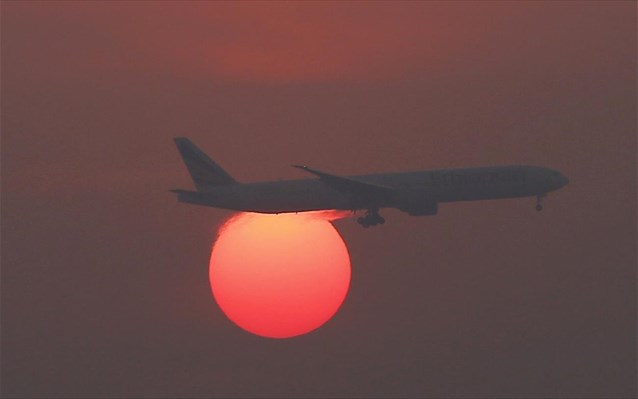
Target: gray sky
[(105, 278)]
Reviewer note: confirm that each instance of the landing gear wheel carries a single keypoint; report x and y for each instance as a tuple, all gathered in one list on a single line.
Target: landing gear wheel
[(539, 206), (372, 218)]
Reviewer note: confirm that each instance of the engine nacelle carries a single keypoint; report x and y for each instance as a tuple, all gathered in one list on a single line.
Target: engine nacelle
[(416, 203), (423, 209)]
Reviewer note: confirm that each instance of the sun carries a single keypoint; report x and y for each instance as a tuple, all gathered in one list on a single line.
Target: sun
[(279, 276)]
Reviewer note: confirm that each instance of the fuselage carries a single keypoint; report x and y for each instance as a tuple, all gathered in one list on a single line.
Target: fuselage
[(409, 190)]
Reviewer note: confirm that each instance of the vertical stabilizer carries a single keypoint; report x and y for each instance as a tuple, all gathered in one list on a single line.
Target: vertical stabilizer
[(203, 170)]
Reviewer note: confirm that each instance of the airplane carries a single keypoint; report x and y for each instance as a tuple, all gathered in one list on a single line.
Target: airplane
[(416, 193)]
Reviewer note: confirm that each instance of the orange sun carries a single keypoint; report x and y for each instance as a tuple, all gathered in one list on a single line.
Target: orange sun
[(279, 276)]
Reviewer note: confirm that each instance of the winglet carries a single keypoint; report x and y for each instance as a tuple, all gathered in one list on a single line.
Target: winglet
[(302, 167), (313, 171)]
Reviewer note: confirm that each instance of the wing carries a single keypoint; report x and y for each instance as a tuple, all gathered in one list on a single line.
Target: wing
[(357, 189)]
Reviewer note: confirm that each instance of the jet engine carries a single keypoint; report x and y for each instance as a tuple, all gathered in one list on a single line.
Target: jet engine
[(423, 209), (417, 204)]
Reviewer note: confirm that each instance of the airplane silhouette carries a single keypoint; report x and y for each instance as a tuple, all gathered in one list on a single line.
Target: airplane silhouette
[(416, 193)]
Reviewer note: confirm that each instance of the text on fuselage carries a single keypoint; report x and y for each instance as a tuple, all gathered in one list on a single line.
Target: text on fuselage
[(441, 179)]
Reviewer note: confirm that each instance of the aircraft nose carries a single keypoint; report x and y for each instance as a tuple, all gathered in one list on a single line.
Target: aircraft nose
[(557, 180)]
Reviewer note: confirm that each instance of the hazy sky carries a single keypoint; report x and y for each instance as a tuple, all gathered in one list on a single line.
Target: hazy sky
[(105, 277)]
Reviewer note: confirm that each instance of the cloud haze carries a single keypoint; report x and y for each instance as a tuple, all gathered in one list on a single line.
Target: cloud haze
[(104, 277)]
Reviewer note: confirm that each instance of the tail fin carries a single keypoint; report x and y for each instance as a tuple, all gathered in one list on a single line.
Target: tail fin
[(203, 170)]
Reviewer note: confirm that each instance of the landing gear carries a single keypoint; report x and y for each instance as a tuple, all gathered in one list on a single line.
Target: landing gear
[(372, 218), (539, 206)]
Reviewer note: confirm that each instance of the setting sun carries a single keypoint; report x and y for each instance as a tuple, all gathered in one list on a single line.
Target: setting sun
[(279, 276)]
